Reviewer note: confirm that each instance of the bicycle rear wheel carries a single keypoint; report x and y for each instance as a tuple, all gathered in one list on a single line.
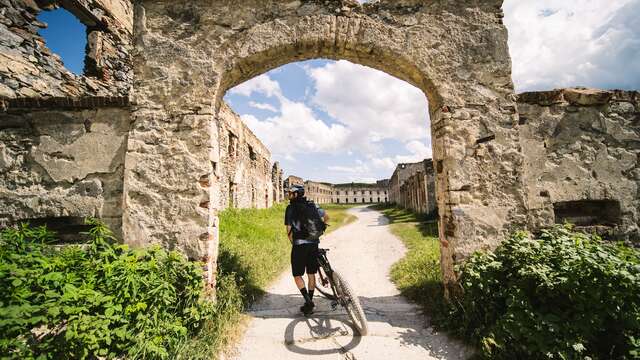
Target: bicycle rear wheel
[(351, 303)]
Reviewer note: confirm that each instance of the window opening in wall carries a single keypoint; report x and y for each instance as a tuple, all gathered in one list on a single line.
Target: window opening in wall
[(66, 36), (588, 212), (233, 141), (68, 229), (252, 154), (231, 195), (253, 196)]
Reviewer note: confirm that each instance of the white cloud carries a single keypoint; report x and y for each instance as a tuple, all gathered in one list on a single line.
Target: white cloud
[(383, 163), (574, 43), (262, 106), (260, 84), (372, 104), (417, 151), (295, 130)]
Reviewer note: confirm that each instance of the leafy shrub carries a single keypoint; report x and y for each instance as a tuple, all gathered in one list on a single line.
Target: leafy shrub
[(564, 295), (104, 300)]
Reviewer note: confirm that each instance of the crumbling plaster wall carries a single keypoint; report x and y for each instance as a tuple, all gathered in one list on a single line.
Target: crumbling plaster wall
[(63, 163), (244, 171), (582, 144), (29, 69)]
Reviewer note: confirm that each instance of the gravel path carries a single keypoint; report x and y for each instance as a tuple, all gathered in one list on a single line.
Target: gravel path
[(363, 252)]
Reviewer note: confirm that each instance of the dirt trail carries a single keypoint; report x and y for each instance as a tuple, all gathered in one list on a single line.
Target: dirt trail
[(363, 252)]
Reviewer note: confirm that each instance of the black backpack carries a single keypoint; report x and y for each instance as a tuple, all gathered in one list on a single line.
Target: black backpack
[(312, 225)]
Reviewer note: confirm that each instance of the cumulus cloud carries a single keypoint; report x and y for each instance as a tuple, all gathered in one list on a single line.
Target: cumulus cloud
[(415, 151), (373, 105), (296, 130), (592, 43), (262, 84), (263, 106)]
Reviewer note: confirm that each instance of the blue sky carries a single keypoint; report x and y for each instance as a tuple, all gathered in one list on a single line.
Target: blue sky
[(341, 122)]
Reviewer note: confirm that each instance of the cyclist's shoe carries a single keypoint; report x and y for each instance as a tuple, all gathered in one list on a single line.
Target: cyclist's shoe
[(307, 308)]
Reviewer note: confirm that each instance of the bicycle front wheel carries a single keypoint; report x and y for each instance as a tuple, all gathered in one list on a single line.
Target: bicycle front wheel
[(351, 303)]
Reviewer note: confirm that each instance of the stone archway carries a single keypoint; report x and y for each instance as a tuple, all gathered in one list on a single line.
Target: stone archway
[(188, 53)]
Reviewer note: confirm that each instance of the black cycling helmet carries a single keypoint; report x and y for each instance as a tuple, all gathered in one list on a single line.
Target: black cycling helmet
[(297, 189)]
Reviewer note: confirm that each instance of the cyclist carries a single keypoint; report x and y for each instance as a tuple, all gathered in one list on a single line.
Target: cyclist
[(302, 219)]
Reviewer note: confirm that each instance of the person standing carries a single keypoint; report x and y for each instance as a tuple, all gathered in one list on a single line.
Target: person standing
[(305, 222)]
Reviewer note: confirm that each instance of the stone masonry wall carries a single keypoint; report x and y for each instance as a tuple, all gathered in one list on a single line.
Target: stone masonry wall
[(244, 171), (277, 183), (417, 193), (401, 173), (582, 159), (57, 165), (189, 53), (413, 186), (29, 69)]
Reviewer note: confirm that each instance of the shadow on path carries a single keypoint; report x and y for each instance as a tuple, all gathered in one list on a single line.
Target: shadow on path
[(301, 333)]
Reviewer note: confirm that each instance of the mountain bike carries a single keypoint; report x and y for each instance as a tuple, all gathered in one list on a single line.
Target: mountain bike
[(335, 288)]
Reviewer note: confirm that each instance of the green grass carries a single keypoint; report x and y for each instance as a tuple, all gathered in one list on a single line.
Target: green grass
[(417, 275), (338, 215), (254, 250)]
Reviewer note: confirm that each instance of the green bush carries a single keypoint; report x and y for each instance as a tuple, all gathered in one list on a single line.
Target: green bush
[(563, 295), (104, 300)]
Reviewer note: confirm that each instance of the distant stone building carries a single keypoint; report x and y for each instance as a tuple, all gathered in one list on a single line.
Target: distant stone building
[(318, 192), (355, 193), (245, 173), (292, 180), (412, 186), (277, 183)]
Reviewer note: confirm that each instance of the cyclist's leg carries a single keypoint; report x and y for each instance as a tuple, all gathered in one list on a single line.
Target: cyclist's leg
[(298, 262), (312, 268)]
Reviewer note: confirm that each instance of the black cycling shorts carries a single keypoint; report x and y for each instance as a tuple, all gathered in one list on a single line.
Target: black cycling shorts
[(304, 257)]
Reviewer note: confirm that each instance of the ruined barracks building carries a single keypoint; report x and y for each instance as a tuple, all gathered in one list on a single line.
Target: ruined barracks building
[(349, 193), (248, 179), (356, 193), (412, 186), (144, 141), (318, 192)]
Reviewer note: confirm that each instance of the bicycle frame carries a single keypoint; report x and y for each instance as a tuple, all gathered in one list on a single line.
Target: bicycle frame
[(325, 267)]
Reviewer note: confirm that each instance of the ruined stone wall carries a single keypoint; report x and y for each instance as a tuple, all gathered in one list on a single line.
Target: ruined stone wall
[(60, 165), (293, 180), (417, 192), (318, 192), (582, 159), (400, 175), (29, 69), (244, 171), (189, 53), (277, 183)]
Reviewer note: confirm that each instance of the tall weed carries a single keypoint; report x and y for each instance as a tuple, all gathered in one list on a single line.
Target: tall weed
[(106, 300), (563, 295)]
